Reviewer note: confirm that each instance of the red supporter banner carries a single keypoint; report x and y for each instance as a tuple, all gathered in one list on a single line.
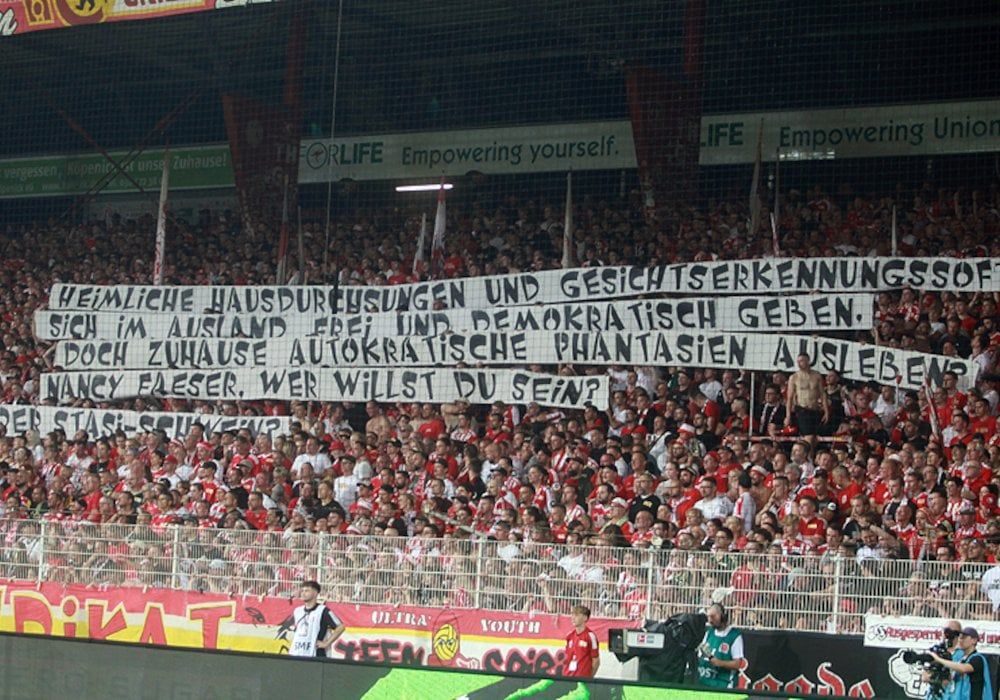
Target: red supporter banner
[(264, 143), (462, 638), (23, 16)]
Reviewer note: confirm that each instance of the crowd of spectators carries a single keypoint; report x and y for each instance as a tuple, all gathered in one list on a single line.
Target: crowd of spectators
[(691, 461)]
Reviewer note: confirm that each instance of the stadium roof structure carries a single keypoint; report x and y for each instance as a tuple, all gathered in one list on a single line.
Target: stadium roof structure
[(115, 79), (489, 62)]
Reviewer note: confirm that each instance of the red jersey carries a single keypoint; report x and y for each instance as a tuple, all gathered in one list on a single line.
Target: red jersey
[(581, 650), (500, 435), (432, 429), (682, 504), (987, 426), (256, 518), (975, 485), (812, 527)]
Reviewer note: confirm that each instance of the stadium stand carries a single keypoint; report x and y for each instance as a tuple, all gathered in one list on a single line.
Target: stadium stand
[(692, 479), (678, 468)]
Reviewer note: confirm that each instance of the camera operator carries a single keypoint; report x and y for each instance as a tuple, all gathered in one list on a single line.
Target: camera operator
[(971, 677), (935, 675), (721, 652)]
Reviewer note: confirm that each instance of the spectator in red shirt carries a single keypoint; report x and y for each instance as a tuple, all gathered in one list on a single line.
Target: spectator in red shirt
[(256, 513), (430, 425)]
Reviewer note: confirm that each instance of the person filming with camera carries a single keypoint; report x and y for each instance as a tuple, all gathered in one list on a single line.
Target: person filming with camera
[(936, 676), (721, 652), (970, 672)]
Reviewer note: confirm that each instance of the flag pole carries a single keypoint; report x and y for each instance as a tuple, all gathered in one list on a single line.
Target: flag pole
[(302, 251), (161, 220), (568, 257), (777, 191), (437, 244), (333, 130), (418, 257), (755, 186), (282, 270)]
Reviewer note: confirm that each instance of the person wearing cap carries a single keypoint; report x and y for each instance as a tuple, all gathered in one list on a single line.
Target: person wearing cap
[(759, 490), (950, 642), (618, 515), (966, 527), (970, 672)]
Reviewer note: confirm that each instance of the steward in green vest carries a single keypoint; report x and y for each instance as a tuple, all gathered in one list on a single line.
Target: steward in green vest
[(721, 653)]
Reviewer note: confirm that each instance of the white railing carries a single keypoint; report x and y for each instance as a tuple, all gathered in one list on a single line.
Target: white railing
[(812, 592)]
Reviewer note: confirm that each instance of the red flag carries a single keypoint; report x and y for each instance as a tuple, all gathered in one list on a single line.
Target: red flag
[(666, 118), (264, 143)]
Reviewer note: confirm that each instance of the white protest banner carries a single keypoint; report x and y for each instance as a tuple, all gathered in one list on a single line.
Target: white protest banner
[(753, 351), (797, 312), (333, 384), (102, 423), (18, 419), (105, 422), (726, 277), (910, 632)]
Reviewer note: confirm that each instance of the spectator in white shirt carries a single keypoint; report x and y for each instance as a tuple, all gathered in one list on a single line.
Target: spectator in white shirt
[(712, 504), (320, 461), (80, 459)]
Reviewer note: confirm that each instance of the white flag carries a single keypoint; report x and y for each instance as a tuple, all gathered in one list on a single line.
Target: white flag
[(418, 258), (161, 221), (437, 244), (569, 252), (281, 275)]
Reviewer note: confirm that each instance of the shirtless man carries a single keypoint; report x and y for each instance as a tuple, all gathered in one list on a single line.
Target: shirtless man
[(806, 401), (377, 421)]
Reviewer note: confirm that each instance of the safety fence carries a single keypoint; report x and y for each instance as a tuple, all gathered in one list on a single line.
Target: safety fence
[(811, 592)]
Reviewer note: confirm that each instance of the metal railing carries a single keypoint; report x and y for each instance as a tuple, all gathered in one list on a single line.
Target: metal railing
[(820, 593)]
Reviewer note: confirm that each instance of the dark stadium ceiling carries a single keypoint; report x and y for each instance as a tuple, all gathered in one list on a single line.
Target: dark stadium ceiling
[(491, 61)]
